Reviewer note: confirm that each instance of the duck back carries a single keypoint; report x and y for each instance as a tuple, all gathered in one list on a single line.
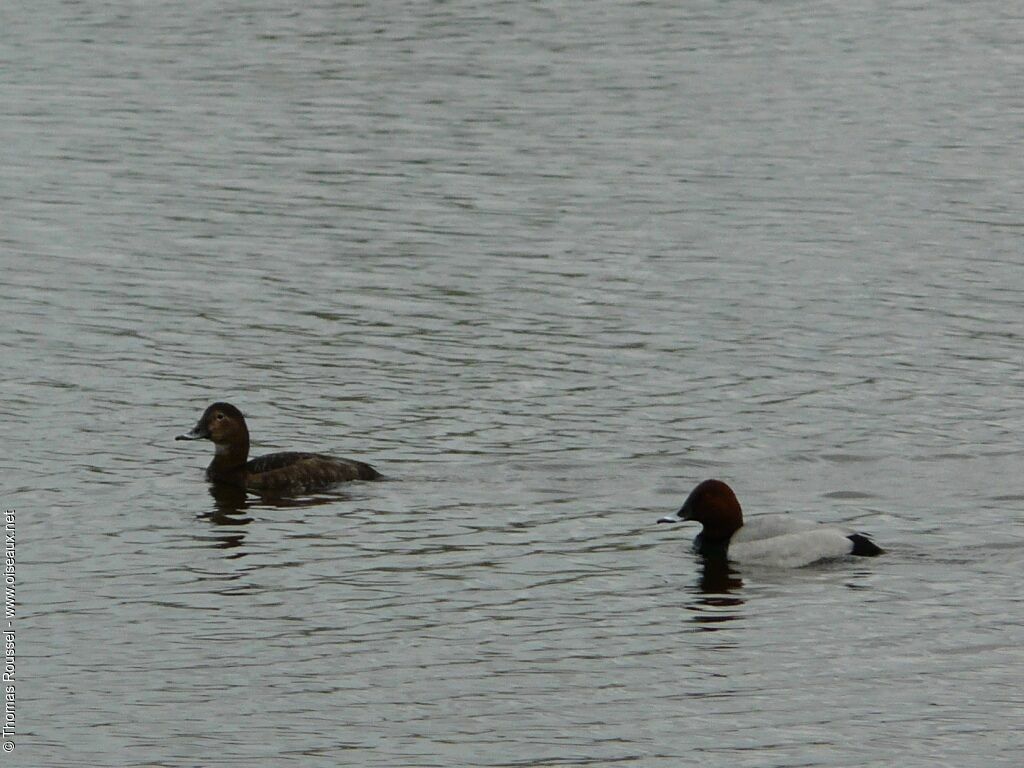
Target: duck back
[(303, 471)]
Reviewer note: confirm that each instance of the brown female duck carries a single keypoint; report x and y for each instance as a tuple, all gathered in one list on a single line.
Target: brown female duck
[(289, 472)]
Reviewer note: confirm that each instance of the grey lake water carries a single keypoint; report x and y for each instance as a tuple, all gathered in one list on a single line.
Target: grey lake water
[(546, 265)]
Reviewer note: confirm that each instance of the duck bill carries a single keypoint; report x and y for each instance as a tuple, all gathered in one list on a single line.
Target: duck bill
[(676, 517), (198, 432), (682, 516)]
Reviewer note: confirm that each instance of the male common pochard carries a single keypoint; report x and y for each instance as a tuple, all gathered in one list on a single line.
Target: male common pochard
[(766, 539)]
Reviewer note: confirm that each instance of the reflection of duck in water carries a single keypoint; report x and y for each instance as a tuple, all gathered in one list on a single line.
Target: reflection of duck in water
[(288, 472), (768, 539), (229, 500), (718, 597), (718, 578), (232, 507)]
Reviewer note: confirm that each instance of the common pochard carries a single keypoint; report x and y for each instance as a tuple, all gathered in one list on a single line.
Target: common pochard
[(767, 539), (290, 472)]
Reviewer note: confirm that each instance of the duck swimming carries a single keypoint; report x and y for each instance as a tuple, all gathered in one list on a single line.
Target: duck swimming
[(767, 539), (224, 425)]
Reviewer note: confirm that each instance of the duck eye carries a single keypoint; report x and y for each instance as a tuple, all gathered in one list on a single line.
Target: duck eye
[(220, 417)]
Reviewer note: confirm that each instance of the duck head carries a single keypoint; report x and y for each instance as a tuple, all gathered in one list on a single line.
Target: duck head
[(714, 505), (223, 425)]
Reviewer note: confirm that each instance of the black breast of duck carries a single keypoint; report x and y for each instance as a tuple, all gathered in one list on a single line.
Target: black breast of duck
[(224, 425)]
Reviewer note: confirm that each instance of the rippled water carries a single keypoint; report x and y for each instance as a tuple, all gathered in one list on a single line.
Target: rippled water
[(547, 266)]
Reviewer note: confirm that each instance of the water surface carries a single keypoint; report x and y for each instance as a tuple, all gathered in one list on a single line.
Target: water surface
[(546, 266)]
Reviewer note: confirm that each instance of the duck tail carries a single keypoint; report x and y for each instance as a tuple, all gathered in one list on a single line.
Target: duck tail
[(863, 546)]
